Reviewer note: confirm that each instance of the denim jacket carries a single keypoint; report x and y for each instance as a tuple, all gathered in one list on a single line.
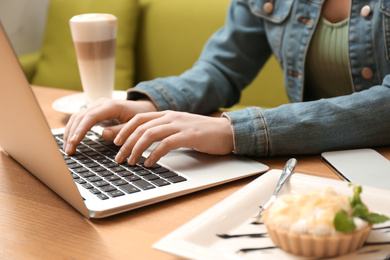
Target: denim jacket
[(234, 55)]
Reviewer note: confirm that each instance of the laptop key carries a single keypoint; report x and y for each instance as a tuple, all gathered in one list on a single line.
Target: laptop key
[(177, 179), (133, 177), (160, 170), (92, 153), (104, 161), (133, 168), (100, 183), (74, 166), (118, 169), (69, 161), (91, 165), (98, 169), (168, 175), (160, 182), (111, 164), (150, 177), (80, 181), (88, 186), (142, 172), (102, 196), (86, 174), (119, 182), (128, 188), (116, 193), (108, 188), (105, 173), (86, 161), (94, 178), (80, 169), (143, 184), (125, 173), (95, 191), (112, 178)]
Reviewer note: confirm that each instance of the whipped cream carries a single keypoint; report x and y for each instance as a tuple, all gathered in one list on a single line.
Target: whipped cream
[(311, 213)]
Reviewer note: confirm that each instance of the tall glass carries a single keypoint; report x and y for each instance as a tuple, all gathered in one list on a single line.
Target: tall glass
[(94, 37)]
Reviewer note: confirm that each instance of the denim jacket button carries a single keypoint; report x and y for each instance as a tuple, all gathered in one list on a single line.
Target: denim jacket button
[(268, 8), (367, 73), (365, 11)]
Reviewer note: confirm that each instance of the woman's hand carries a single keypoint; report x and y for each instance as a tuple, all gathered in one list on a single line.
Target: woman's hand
[(173, 130), (104, 109)]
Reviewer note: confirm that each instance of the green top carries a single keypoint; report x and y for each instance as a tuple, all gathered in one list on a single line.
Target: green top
[(327, 65)]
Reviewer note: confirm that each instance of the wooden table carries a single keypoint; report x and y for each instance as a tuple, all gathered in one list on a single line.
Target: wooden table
[(36, 224)]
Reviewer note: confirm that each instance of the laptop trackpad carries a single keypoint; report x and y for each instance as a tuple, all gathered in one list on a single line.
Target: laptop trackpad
[(189, 161)]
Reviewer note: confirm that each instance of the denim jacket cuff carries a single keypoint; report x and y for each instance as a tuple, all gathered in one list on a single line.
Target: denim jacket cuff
[(156, 93), (250, 135)]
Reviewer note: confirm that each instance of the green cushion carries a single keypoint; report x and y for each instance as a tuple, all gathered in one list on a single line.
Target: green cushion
[(57, 65), (172, 34), (29, 63)]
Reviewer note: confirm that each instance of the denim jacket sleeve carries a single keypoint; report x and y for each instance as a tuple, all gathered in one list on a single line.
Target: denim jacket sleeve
[(229, 61), (353, 121)]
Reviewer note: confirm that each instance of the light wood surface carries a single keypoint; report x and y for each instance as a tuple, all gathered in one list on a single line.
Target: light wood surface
[(36, 224)]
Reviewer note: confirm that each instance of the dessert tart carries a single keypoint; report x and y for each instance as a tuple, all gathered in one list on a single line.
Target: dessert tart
[(320, 223)]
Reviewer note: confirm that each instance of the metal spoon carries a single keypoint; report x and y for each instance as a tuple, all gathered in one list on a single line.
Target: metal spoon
[(286, 173)]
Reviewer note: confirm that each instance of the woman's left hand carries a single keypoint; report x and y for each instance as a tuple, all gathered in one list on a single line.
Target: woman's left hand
[(212, 135)]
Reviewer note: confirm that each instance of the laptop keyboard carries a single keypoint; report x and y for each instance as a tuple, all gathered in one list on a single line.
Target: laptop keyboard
[(94, 168)]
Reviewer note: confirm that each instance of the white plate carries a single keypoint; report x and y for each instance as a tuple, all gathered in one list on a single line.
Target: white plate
[(74, 103), (198, 238)]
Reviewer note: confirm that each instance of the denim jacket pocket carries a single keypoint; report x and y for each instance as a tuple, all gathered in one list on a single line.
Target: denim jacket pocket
[(281, 9), (275, 21), (385, 9)]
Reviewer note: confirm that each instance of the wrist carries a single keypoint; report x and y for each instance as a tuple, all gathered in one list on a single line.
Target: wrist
[(147, 105)]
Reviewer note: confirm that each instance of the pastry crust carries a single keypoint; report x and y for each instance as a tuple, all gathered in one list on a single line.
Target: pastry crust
[(315, 245)]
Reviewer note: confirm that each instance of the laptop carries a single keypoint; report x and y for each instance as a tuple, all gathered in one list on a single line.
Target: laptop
[(360, 166), (90, 180)]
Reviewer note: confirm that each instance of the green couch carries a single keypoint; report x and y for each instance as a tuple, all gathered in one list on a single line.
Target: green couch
[(156, 38)]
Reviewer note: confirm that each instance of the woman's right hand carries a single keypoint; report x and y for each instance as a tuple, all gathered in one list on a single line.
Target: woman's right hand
[(104, 109)]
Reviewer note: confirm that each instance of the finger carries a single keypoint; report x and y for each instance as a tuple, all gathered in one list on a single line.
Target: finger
[(133, 131), (152, 135), (134, 147), (75, 134), (135, 123), (83, 121), (109, 133), (168, 144), (69, 132), (76, 118)]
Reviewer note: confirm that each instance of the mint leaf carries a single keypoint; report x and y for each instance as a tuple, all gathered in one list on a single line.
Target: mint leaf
[(342, 222), (374, 218), (360, 210)]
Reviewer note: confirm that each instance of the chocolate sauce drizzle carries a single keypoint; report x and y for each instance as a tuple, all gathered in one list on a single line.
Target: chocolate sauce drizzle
[(247, 250), (254, 235)]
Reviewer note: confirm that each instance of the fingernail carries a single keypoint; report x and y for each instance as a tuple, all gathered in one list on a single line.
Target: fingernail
[(108, 134), (147, 162), (119, 157), (69, 148), (131, 161), (118, 140)]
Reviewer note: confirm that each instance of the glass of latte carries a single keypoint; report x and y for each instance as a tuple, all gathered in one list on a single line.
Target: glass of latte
[(94, 37)]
